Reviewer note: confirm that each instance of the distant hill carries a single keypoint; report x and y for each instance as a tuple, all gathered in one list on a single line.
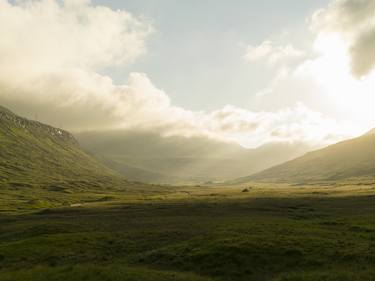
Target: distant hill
[(150, 157), (35, 155), (348, 159), (133, 173)]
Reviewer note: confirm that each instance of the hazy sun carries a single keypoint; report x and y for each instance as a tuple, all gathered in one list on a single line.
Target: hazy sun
[(353, 98)]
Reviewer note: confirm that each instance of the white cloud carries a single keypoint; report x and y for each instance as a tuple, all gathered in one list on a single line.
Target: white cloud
[(354, 21), (50, 52), (50, 55), (266, 51), (45, 36), (328, 82)]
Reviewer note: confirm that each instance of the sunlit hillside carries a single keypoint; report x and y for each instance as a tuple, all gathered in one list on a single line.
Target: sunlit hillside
[(353, 158)]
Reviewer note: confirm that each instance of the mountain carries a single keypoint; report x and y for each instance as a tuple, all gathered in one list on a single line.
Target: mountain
[(371, 132), (149, 157), (348, 159), (36, 155)]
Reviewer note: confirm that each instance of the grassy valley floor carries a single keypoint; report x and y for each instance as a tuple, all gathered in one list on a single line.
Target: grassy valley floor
[(323, 232)]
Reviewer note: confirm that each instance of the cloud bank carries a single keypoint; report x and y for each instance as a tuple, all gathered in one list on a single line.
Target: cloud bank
[(51, 54)]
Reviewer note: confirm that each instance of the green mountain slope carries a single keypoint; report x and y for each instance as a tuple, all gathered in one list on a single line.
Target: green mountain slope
[(150, 157), (36, 155), (348, 159)]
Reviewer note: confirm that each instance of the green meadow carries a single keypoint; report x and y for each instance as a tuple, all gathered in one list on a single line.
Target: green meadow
[(321, 232)]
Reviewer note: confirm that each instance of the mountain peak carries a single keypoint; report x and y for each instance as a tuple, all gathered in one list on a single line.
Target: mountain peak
[(9, 120), (5, 110)]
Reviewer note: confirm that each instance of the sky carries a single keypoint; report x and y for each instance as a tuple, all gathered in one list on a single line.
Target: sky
[(197, 43), (252, 72)]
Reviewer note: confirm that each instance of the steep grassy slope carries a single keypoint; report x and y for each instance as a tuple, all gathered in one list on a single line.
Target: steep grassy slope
[(348, 159), (45, 167), (36, 155), (153, 158)]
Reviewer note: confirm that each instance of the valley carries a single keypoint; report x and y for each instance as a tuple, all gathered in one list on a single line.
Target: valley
[(149, 157), (66, 215), (214, 140)]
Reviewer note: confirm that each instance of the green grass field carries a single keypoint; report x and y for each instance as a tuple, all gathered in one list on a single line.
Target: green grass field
[(276, 233)]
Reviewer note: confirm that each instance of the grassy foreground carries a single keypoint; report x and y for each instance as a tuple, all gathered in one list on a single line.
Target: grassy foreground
[(283, 233)]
